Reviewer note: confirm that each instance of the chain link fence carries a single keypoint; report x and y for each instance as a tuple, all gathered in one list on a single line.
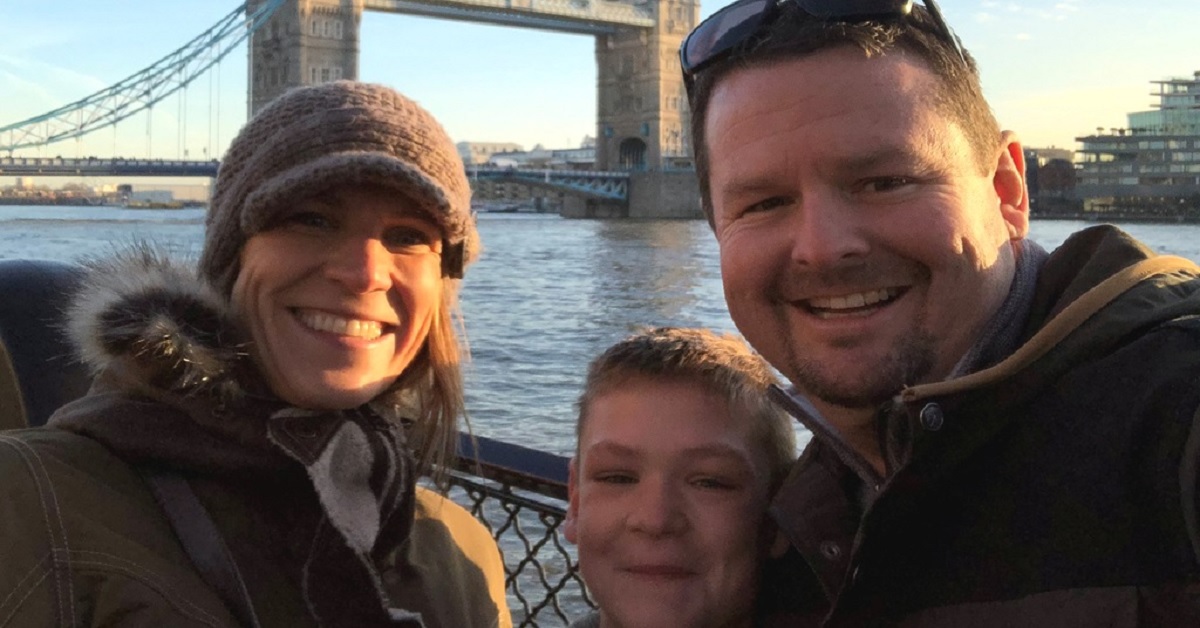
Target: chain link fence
[(520, 494)]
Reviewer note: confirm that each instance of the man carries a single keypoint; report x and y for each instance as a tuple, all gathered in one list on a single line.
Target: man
[(679, 449), (1002, 437)]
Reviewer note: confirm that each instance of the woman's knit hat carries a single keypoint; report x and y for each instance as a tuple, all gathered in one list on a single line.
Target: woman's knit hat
[(343, 133)]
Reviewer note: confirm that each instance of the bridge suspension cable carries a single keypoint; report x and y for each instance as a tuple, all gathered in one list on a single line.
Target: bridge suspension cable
[(142, 90)]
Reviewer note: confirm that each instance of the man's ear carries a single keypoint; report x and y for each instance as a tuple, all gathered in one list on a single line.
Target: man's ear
[(570, 529), (1009, 182)]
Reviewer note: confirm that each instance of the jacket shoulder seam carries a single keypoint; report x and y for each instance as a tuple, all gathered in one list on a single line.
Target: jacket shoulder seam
[(51, 515), (111, 563), (42, 567)]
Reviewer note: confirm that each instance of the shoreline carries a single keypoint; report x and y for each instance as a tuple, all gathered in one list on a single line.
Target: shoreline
[(97, 203), (51, 202), (1093, 217), (1116, 217)]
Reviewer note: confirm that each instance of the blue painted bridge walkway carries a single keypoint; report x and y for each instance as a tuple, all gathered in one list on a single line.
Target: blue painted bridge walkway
[(94, 167), (606, 186)]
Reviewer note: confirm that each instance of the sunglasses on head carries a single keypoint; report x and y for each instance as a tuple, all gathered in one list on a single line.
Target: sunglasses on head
[(716, 37)]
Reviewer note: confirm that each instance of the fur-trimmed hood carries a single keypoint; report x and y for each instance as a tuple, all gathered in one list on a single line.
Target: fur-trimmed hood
[(166, 356), (154, 319)]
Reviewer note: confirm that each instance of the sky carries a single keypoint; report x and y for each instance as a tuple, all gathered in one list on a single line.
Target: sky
[(1052, 70)]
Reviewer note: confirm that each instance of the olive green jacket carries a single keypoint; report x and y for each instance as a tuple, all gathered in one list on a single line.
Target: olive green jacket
[(83, 542), (319, 511)]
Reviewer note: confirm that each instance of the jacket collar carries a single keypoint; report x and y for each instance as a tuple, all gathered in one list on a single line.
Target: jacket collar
[(1094, 289)]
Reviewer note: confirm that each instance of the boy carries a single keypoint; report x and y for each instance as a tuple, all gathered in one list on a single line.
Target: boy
[(678, 452)]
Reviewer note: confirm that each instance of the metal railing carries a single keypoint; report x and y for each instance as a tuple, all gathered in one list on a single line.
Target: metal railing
[(520, 494)]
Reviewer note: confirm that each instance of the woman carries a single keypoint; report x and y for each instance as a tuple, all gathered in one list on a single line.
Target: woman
[(248, 453)]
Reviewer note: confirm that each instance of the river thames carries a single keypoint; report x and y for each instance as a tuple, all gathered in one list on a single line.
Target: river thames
[(546, 295)]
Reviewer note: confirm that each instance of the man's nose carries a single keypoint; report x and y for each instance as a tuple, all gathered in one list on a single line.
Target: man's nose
[(658, 509), (361, 265), (827, 230)]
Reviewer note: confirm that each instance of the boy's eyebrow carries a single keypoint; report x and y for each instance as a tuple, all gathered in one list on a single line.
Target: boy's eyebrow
[(718, 450), (714, 450), (613, 448)]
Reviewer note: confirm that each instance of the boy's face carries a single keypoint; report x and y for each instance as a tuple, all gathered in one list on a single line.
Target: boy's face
[(668, 502)]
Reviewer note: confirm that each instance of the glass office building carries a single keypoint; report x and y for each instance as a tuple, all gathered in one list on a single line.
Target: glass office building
[(1153, 166)]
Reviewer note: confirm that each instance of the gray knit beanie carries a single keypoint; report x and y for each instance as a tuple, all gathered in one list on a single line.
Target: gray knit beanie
[(343, 133)]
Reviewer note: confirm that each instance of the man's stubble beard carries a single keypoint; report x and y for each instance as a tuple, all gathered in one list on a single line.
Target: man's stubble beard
[(910, 361)]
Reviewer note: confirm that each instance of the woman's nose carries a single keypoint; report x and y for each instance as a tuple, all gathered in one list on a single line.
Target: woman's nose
[(361, 265)]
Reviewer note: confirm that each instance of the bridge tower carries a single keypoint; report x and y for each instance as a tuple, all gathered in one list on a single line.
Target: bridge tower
[(642, 110), (642, 107), (306, 42)]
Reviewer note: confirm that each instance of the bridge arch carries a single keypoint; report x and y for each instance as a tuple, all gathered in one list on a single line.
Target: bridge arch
[(632, 154), (640, 87)]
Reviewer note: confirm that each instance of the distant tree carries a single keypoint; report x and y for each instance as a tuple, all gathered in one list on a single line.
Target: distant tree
[(77, 188)]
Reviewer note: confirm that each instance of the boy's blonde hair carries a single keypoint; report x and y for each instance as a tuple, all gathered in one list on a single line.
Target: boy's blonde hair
[(722, 364)]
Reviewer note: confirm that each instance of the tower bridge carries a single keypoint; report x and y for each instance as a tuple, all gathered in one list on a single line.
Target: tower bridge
[(585, 17), (98, 167), (611, 187), (642, 116), (606, 187)]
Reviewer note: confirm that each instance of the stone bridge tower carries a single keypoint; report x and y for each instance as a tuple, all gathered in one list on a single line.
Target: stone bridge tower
[(643, 118), (642, 108), (306, 42)]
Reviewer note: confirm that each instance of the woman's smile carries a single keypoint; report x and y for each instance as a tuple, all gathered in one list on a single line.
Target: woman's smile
[(341, 326)]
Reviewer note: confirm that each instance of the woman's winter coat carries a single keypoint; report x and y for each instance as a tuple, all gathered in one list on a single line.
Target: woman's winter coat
[(319, 511)]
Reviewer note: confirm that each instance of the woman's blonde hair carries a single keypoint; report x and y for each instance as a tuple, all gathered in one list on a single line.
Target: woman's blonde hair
[(429, 392)]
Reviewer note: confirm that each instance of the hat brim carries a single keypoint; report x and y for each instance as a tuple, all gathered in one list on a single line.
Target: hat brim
[(263, 206)]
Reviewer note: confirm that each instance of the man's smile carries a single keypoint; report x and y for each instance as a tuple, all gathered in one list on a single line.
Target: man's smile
[(853, 304)]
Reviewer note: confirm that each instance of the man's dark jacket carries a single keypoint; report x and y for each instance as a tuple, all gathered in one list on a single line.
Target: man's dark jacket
[(1055, 488)]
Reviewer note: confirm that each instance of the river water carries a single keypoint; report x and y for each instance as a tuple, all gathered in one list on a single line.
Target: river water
[(545, 297)]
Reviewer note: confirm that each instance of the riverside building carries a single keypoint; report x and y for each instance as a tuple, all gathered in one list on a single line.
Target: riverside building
[(1152, 168)]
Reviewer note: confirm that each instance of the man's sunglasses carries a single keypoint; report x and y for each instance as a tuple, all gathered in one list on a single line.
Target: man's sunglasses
[(716, 37)]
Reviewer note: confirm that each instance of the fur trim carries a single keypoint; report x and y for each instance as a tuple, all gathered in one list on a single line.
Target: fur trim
[(158, 317)]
